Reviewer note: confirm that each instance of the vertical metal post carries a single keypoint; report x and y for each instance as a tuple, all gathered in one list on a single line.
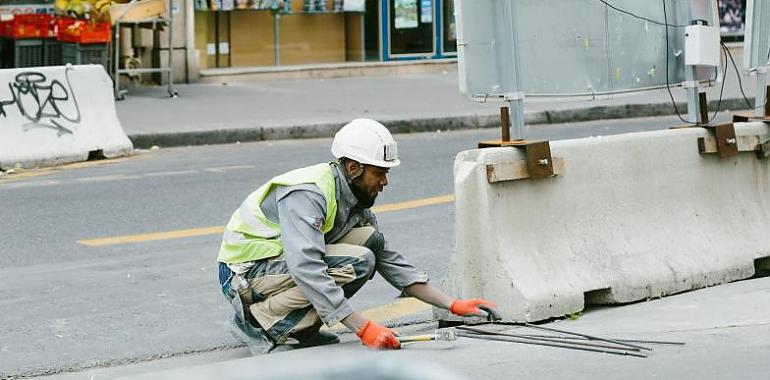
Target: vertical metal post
[(761, 96), (516, 98), (767, 96), (116, 60), (216, 38), (277, 36), (505, 124), (693, 100), (170, 83), (704, 107)]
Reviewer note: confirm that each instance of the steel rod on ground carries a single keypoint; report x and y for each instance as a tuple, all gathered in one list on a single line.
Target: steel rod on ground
[(661, 342), (555, 339), (548, 344), (587, 336)]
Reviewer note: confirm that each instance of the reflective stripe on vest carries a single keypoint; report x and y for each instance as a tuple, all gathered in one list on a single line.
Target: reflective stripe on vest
[(250, 236)]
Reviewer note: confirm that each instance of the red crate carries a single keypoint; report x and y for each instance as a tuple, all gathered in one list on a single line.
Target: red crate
[(82, 31), (32, 25)]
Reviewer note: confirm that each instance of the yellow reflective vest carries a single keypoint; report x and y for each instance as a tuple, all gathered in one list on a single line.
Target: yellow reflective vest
[(250, 236)]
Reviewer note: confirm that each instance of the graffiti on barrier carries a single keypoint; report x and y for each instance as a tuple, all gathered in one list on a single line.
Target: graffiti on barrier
[(45, 103)]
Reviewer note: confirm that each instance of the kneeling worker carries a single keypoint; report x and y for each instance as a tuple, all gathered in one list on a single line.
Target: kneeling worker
[(302, 244)]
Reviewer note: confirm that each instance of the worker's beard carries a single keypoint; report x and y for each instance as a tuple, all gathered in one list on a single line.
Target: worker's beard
[(364, 199)]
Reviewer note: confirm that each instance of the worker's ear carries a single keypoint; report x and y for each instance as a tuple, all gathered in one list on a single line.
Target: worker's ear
[(354, 168)]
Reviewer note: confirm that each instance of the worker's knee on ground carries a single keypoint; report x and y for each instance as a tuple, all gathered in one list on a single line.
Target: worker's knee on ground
[(375, 242), (366, 264)]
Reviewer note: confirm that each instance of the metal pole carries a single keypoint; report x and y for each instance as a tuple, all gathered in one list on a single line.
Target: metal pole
[(761, 97), (116, 60), (277, 36), (216, 38), (516, 99), (170, 83), (693, 100)]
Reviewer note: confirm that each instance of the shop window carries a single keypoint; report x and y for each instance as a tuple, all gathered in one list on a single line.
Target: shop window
[(732, 19), (450, 27), (411, 27)]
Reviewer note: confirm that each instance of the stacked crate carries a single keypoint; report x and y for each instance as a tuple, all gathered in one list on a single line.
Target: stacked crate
[(23, 39), (31, 40), (83, 42)]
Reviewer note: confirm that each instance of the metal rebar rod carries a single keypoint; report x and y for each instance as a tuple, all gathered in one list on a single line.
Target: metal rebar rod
[(661, 342), (559, 345), (555, 339), (587, 336)]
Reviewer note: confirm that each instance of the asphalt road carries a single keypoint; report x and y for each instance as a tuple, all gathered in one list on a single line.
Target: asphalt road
[(67, 305)]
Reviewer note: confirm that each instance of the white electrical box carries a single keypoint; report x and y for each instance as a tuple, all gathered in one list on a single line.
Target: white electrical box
[(701, 45)]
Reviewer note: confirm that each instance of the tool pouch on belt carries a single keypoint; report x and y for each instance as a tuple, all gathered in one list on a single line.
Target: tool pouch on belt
[(247, 294)]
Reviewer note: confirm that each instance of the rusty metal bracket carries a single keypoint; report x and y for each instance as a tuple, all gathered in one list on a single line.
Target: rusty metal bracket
[(539, 160), (763, 151), (538, 163), (724, 140), (741, 118)]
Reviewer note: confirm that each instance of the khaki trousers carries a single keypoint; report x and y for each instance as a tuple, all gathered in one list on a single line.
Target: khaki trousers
[(275, 302)]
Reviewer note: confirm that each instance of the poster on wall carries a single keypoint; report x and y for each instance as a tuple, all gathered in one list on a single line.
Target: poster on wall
[(405, 14), (732, 16), (354, 6), (426, 11)]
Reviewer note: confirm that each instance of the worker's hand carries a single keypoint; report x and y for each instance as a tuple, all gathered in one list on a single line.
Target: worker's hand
[(378, 337), (465, 308)]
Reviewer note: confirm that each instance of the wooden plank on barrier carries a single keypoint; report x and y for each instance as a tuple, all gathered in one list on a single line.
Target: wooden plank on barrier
[(708, 145), (511, 171)]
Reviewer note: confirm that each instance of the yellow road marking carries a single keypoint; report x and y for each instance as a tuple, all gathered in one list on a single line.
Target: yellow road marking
[(219, 229), (28, 173), (400, 308), (177, 172), (223, 169), (415, 203), (18, 185), (112, 177), (153, 236)]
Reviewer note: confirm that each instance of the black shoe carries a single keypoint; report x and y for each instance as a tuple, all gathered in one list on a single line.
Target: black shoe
[(311, 338), (255, 338)]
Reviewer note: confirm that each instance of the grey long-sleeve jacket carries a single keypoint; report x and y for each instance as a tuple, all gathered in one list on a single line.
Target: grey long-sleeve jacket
[(296, 209)]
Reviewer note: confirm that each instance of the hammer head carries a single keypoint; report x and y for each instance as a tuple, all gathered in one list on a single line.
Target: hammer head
[(446, 335)]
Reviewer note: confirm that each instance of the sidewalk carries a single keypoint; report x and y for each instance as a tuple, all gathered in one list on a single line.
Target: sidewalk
[(249, 110), (726, 330)]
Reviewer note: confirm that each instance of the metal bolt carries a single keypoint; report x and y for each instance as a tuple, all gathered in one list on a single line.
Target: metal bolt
[(731, 141), (542, 162)]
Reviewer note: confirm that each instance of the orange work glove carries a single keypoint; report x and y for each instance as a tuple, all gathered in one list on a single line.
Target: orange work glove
[(470, 307), (378, 337)]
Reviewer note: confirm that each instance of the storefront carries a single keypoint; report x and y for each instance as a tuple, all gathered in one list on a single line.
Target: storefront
[(418, 29), (243, 33)]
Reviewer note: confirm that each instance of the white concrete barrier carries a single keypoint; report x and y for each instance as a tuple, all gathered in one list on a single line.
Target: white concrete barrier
[(56, 115), (632, 217)]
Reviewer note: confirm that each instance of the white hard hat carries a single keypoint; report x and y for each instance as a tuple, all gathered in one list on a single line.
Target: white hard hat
[(368, 142)]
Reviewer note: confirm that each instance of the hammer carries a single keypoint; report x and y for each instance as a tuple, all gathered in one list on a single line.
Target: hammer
[(446, 335)]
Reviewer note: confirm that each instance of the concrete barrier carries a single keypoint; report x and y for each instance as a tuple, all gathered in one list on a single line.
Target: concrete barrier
[(56, 115), (632, 217)]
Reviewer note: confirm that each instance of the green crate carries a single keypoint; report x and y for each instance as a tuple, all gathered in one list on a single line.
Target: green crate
[(84, 54), (28, 52), (21, 53), (52, 52)]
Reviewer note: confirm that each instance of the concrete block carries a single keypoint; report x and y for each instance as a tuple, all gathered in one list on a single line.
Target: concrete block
[(632, 217), (56, 115)]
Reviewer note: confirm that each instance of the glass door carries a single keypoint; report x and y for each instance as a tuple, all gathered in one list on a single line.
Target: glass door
[(411, 27), (449, 26)]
